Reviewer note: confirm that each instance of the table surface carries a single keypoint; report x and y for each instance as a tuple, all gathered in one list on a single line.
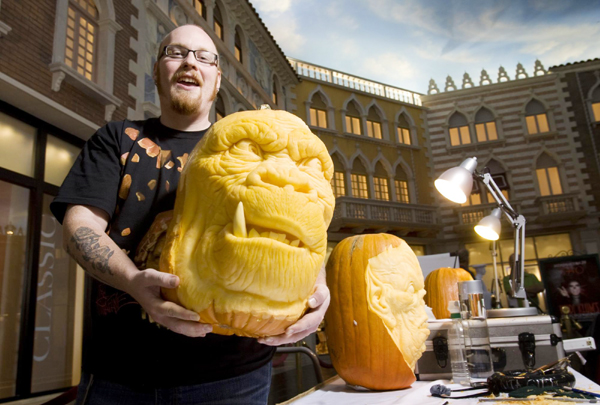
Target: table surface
[(335, 391)]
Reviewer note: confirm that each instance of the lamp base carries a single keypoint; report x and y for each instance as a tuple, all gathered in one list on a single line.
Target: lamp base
[(511, 312)]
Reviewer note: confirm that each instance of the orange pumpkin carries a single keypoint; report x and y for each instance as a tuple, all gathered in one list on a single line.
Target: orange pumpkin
[(442, 287), (376, 324)]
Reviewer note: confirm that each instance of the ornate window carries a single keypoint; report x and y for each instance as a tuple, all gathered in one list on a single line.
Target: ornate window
[(403, 130), (82, 28), (596, 104), (338, 182), (219, 108), (83, 49), (548, 176), (459, 130), (380, 183), (358, 178), (373, 124), (238, 46), (485, 125), (401, 183), (218, 22), (353, 119), (200, 8), (536, 118), (318, 111)]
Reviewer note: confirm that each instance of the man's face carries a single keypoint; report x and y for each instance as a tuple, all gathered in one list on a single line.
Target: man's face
[(187, 86)]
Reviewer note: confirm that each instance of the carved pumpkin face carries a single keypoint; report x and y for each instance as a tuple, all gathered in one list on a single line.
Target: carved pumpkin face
[(251, 272)]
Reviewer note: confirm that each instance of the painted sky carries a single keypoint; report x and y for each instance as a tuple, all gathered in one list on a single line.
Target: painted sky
[(406, 43)]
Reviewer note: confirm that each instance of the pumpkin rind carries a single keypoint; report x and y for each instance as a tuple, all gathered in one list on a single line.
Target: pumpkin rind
[(361, 345), (442, 287), (281, 172)]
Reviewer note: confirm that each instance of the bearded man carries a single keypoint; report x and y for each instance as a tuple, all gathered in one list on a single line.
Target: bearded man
[(126, 175)]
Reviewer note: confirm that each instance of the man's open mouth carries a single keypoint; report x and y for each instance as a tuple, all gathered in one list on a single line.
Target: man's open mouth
[(188, 81)]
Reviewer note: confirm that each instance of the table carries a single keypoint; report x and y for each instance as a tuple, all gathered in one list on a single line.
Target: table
[(335, 392)]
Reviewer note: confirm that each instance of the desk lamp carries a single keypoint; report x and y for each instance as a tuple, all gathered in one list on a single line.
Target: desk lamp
[(456, 184)]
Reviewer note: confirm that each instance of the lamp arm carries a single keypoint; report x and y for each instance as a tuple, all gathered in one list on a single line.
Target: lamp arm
[(494, 190), (517, 274)]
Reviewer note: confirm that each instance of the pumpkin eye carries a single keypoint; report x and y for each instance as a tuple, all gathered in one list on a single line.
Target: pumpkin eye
[(312, 163), (248, 145)]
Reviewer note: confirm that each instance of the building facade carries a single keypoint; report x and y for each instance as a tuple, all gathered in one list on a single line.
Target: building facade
[(524, 132), (583, 86), (377, 138), (66, 68)]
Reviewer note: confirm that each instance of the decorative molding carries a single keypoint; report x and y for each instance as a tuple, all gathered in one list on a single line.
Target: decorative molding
[(109, 109), (4, 29), (61, 71)]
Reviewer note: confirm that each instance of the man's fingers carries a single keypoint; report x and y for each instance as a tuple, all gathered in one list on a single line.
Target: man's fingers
[(172, 310), (187, 328), (153, 277), (319, 296)]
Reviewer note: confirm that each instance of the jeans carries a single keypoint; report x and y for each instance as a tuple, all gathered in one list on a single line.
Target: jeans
[(247, 389)]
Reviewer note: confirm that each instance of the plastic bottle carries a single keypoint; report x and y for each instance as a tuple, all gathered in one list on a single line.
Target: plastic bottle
[(477, 338), (456, 346)]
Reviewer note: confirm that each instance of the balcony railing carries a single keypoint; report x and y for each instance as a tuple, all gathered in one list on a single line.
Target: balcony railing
[(557, 207), (354, 82), (366, 213)]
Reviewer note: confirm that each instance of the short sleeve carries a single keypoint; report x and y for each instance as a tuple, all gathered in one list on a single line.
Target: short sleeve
[(95, 176)]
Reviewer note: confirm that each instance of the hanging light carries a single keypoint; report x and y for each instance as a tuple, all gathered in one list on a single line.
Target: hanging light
[(489, 227), (456, 183)]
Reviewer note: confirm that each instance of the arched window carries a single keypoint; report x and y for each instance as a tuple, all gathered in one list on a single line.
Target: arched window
[(485, 125), (338, 182), (318, 111), (459, 130), (358, 178), (401, 183), (596, 104), (238, 45), (499, 176), (82, 28), (380, 183), (536, 118), (200, 8), (353, 119), (475, 197), (219, 107), (274, 95), (218, 23), (548, 176), (373, 124), (403, 130)]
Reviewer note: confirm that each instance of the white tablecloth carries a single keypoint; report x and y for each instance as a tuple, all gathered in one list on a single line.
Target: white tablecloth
[(335, 392)]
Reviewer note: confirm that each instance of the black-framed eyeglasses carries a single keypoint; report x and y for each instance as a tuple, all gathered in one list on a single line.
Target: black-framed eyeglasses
[(180, 52)]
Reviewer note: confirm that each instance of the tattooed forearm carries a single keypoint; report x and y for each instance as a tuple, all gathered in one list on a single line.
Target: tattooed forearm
[(87, 242)]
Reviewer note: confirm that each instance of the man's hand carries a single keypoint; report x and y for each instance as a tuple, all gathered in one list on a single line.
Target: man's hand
[(318, 303), (145, 289)]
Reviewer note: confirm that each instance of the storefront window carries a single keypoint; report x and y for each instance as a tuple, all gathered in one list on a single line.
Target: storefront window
[(17, 141), (14, 209), (60, 156), (56, 320)]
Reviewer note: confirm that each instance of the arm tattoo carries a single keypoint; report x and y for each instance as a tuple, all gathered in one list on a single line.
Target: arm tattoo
[(87, 242)]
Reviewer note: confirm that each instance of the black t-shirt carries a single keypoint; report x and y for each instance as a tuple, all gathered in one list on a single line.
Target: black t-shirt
[(131, 169)]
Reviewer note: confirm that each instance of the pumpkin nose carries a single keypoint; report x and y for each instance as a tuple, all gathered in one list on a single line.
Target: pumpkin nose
[(279, 174)]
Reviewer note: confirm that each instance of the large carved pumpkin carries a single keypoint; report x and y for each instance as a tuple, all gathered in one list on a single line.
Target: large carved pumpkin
[(376, 323), (442, 287), (249, 228)]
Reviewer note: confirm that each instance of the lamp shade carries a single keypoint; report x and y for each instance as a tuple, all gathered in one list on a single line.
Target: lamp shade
[(456, 183), (489, 227)]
